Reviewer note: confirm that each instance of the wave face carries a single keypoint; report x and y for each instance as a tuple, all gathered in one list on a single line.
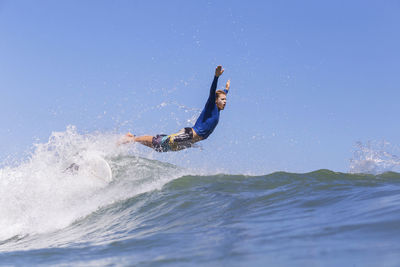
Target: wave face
[(154, 213)]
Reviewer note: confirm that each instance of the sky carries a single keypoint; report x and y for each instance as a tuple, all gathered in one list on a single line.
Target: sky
[(309, 79)]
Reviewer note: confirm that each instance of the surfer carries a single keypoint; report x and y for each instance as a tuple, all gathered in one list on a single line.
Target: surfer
[(186, 137)]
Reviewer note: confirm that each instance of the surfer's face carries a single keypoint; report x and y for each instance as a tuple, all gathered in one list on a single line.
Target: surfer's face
[(221, 101)]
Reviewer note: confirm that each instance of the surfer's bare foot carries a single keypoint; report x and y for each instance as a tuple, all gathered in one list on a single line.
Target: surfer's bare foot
[(126, 139)]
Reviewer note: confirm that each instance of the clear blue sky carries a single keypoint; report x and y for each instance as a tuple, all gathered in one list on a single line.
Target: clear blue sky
[(308, 78)]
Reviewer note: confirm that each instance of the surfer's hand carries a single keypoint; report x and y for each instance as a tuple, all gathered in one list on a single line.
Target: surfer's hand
[(218, 71), (228, 84)]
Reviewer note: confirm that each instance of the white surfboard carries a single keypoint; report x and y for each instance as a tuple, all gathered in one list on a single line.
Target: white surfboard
[(96, 167), (92, 166)]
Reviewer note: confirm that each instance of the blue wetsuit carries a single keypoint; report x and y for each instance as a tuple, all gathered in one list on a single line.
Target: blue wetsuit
[(209, 117), (203, 127)]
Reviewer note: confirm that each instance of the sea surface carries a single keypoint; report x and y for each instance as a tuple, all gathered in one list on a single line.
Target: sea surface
[(158, 214)]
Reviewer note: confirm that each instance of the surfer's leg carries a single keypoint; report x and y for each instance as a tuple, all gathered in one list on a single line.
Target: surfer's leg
[(146, 140), (159, 142), (130, 138), (181, 140), (126, 139)]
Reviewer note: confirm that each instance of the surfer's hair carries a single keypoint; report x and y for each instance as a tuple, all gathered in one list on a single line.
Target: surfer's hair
[(219, 92)]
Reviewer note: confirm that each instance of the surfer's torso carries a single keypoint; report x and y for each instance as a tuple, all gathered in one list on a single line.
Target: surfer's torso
[(209, 117)]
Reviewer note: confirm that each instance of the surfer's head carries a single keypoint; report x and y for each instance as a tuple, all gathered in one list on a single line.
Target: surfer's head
[(220, 99)]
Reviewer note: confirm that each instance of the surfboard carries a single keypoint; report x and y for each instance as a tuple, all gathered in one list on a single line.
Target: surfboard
[(92, 166), (97, 167)]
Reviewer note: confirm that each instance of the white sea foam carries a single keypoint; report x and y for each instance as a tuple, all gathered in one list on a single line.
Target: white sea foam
[(374, 157), (39, 196)]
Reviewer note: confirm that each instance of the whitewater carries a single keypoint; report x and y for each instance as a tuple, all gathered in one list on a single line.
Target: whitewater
[(155, 213)]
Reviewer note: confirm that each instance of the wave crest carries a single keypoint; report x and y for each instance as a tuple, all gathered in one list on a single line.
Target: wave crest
[(374, 158)]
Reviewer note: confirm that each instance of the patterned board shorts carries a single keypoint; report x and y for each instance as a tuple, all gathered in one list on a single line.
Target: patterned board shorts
[(173, 142)]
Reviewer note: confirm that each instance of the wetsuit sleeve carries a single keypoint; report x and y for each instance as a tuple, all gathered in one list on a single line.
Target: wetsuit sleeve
[(211, 99), (208, 118)]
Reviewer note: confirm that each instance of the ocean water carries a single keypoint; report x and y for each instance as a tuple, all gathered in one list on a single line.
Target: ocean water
[(157, 214)]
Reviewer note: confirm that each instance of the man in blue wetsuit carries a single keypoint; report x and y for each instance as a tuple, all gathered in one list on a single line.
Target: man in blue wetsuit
[(186, 137)]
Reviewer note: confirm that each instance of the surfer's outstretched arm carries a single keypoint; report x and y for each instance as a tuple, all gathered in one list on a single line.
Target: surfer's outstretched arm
[(208, 119)]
